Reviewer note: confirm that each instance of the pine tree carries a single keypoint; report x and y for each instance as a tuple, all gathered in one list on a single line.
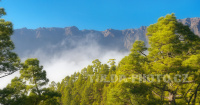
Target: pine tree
[(35, 74), (15, 93), (172, 45), (9, 61)]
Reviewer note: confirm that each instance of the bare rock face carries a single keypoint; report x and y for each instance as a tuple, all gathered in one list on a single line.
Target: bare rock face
[(72, 30), (131, 35), (193, 23), (32, 39)]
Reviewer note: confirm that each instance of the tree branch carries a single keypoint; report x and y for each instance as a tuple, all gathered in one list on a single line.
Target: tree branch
[(8, 74)]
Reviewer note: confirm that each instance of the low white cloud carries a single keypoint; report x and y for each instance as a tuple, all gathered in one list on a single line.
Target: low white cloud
[(65, 62)]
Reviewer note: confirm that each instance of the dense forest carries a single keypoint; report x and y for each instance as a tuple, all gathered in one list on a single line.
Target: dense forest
[(165, 73)]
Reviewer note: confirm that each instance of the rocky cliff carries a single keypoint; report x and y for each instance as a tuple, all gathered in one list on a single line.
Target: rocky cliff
[(32, 39)]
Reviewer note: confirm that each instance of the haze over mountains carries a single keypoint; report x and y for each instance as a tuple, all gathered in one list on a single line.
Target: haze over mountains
[(57, 39), (63, 51), (28, 40)]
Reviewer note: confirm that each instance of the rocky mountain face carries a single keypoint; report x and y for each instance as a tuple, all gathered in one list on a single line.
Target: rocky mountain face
[(193, 23), (51, 39)]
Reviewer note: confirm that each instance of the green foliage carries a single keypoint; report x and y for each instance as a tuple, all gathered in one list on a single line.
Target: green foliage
[(14, 93), (174, 50), (33, 73), (9, 61), (28, 89)]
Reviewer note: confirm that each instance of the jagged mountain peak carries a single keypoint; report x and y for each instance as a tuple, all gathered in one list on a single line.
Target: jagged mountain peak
[(110, 38), (111, 32), (73, 30), (193, 23), (143, 27)]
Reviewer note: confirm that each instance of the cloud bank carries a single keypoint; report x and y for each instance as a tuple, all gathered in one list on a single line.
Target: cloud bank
[(59, 61)]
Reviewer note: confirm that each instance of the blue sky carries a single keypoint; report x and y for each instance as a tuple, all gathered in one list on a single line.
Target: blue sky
[(95, 14)]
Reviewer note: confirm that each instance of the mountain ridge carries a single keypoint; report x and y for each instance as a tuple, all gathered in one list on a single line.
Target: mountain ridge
[(109, 38)]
